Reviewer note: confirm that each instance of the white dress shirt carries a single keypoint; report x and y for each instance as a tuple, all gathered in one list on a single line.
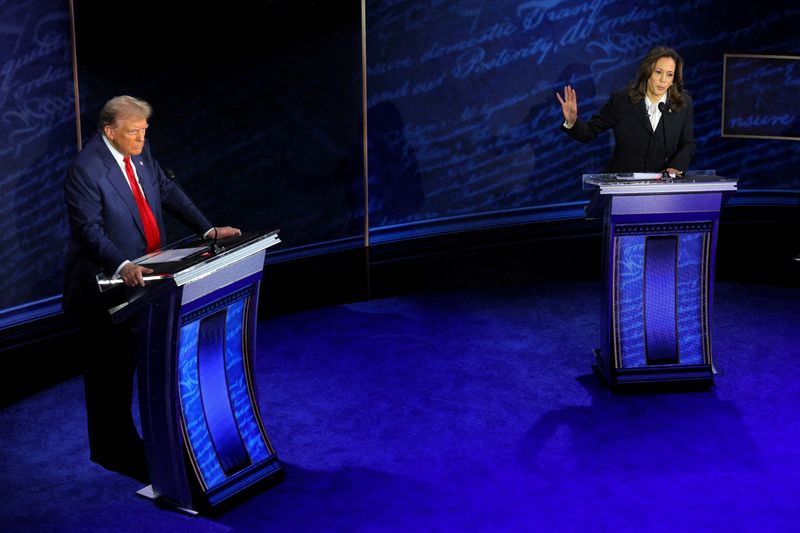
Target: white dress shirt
[(653, 113), (120, 159)]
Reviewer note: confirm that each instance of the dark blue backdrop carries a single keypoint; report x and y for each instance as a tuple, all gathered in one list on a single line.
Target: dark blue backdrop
[(466, 92), (258, 109), (37, 142)]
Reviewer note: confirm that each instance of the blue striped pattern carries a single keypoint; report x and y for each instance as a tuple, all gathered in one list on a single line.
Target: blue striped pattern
[(690, 298), (630, 300), (660, 301), (240, 396), (194, 417), (219, 415)]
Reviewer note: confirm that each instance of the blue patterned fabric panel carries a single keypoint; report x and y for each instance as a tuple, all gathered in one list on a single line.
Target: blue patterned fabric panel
[(220, 420), (690, 298), (660, 299), (237, 385), (192, 405), (630, 305)]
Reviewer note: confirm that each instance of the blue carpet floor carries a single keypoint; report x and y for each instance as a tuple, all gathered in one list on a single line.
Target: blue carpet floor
[(470, 410)]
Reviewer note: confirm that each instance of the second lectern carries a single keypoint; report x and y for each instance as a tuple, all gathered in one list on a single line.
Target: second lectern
[(659, 243)]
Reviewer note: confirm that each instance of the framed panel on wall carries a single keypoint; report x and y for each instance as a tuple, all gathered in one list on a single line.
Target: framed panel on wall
[(757, 91)]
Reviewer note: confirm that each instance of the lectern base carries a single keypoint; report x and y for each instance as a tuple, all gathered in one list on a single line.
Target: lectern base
[(148, 494), (698, 374)]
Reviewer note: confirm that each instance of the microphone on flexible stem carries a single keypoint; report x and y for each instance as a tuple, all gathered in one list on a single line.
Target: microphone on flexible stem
[(649, 139), (171, 175), (664, 108)]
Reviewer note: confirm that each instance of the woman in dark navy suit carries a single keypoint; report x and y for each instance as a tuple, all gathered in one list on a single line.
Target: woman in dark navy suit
[(651, 118)]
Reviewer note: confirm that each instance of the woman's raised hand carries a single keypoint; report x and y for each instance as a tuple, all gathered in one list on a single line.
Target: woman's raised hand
[(569, 105)]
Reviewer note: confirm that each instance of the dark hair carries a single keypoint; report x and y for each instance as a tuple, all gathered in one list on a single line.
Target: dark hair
[(122, 106), (637, 89)]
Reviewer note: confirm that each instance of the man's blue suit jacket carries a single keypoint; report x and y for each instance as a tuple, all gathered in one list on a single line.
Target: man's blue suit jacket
[(105, 226)]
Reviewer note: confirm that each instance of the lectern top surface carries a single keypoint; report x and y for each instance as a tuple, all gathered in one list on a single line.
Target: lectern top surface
[(200, 250), (193, 255), (638, 183)]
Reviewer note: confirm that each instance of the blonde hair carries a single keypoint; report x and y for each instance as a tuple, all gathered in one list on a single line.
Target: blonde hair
[(122, 106)]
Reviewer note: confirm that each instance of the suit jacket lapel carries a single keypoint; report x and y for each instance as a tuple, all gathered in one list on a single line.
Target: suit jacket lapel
[(640, 110), (119, 181), (668, 130)]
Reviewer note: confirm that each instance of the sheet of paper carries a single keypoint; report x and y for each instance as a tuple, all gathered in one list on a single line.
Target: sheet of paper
[(171, 256)]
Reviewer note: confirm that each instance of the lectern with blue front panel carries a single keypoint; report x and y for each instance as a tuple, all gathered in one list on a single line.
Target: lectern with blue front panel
[(204, 437), (659, 242)]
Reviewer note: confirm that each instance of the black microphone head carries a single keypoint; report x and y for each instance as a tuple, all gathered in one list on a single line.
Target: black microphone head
[(664, 107), (170, 174)]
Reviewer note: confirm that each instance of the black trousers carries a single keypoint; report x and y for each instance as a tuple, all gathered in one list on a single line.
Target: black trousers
[(109, 360)]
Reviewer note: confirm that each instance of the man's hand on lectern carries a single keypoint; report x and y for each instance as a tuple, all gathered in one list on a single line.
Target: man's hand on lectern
[(133, 274), (223, 232)]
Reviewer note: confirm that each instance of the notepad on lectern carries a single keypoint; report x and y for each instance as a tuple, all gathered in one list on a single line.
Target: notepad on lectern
[(638, 176), (170, 256)]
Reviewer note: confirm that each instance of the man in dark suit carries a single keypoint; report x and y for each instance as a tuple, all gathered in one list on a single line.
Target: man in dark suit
[(116, 194), (652, 113)]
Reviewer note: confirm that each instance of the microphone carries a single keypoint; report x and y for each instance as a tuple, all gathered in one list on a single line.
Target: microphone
[(171, 175), (649, 137), (665, 109)]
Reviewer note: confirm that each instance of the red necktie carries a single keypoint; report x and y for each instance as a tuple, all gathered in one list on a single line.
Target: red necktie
[(151, 233)]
